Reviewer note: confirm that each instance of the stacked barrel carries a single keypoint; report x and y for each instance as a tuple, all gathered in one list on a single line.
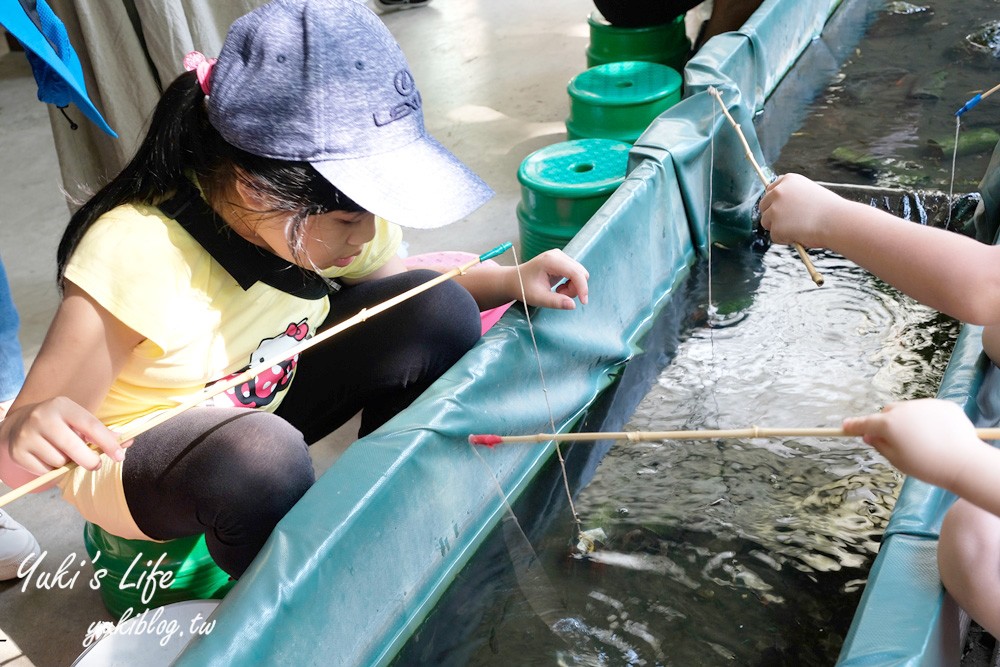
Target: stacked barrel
[(632, 76)]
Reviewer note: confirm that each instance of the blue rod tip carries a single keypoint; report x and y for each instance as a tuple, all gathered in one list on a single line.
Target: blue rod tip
[(968, 105), (499, 250)]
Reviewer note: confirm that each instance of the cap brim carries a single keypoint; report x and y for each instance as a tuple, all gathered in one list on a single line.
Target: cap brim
[(421, 185), (24, 30)]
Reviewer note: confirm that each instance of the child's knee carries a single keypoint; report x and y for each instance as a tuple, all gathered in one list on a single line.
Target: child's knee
[(450, 317), (969, 541), (269, 463), (967, 521), (462, 326)]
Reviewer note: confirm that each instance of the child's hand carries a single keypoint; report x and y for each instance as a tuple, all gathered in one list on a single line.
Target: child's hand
[(543, 271), (50, 434), (930, 439), (796, 210)]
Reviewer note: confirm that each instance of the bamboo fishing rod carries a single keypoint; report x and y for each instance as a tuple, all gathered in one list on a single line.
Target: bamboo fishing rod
[(490, 440), (803, 255), (250, 373)]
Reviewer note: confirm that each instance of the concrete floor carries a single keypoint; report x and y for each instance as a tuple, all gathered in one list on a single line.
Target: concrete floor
[(493, 79)]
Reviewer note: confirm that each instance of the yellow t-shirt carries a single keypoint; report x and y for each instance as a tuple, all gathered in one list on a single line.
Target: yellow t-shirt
[(200, 326)]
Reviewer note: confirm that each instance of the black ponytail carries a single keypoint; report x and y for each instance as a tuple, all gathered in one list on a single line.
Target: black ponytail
[(178, 122)]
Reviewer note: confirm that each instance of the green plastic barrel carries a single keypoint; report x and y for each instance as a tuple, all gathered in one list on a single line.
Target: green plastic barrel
[(667, 44), (619, 100), (562, 186), (140, 575)]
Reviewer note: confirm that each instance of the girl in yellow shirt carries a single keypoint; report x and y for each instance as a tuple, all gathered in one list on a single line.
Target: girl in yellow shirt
[(253, 215)]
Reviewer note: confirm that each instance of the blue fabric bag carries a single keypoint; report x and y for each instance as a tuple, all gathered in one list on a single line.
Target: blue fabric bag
[(53, 61)]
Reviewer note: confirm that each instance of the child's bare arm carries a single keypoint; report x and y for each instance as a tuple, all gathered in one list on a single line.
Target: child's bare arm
[(947, 271), (51, 420)]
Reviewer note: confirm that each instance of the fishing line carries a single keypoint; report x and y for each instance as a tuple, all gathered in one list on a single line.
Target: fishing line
[(712, 310), (708, 206), (545, 392), (539, 592), (973, 101), (954, 156), (535, 586)]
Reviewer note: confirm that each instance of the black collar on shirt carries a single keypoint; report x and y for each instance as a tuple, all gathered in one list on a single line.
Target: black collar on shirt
[(245, 262)]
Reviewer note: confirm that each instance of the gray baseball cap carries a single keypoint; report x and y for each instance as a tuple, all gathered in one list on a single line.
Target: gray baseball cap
[(324, 82)]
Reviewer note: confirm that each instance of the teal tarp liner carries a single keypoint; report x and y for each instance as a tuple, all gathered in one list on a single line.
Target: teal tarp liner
[(352, 570), (906, 617)]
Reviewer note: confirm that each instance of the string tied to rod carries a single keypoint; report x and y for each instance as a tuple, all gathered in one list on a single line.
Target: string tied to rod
[(813, 273)]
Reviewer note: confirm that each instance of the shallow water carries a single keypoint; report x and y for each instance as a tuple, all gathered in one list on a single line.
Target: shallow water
[(796, 356), (888, 118), (755, 550)]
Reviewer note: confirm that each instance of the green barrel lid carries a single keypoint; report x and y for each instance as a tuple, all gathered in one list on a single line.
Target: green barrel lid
[(575, 169), (627, 83), (562, 186), (619, 100)]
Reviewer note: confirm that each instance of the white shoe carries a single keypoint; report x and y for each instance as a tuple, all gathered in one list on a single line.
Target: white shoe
[(396, 5), (16, 544)]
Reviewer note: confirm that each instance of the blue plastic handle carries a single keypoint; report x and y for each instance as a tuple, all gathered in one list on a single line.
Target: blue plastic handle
[(968, 105), (499, 250)]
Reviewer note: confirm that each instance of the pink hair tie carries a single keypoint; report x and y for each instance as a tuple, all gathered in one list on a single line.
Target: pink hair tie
[(197, 61)]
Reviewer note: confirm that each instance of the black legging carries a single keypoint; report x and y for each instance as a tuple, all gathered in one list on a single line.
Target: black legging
[(232, 473), (727, 15), (641, 13)]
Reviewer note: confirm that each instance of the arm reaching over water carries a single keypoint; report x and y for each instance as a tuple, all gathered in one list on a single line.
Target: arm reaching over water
[(551, 279), (934, 441), (947, 271), (494, 285)]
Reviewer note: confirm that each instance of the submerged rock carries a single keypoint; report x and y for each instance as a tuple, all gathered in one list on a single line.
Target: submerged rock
[(930, 86), (970, 142), (885, 171), (856, 160), (885, 83), (899, 18), (907, 9), (985, 42)]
